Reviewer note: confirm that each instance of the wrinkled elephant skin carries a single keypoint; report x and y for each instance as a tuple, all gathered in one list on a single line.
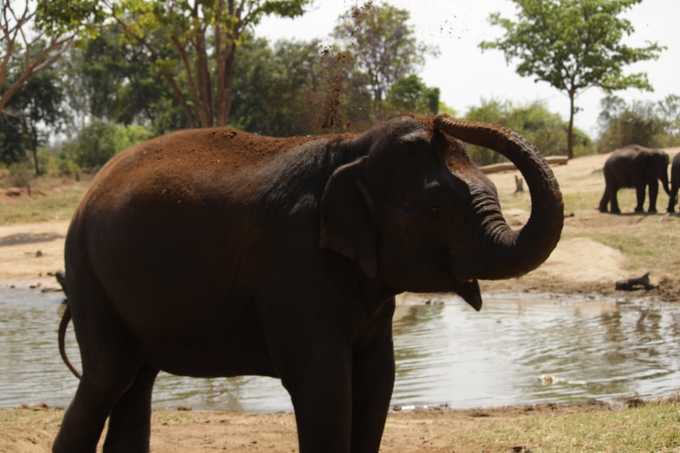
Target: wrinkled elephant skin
[(215, 252)]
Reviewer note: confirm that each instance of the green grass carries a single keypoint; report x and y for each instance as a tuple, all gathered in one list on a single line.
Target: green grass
[(47, 204), (654, 427)]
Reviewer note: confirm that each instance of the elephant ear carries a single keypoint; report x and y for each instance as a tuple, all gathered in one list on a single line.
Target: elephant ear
[(347, 217)]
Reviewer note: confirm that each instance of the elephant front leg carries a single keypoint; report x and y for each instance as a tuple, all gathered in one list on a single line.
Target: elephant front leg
[(322, 399), (640, 195), (373, 381), (653, 193)]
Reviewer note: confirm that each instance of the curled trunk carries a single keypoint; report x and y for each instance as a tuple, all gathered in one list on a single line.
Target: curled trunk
[(507, 253)]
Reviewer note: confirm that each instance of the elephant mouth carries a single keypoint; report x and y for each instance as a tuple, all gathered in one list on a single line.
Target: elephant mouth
[(470, 292), (464, 284)]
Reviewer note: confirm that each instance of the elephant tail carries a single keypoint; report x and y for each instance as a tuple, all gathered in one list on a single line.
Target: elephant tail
[(63, 325), (62, 334)]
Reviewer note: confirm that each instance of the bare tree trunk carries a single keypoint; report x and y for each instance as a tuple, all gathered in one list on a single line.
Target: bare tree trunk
[(570, 129), (228, 81), (204, 82)]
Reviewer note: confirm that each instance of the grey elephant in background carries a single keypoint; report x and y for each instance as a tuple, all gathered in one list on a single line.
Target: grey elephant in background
[(637, 167), (675, 183)]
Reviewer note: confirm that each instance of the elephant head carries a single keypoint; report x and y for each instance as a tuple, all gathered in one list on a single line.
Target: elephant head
[(417, 215), (654, 163)]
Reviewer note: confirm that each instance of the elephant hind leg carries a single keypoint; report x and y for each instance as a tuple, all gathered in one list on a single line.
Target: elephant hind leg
[(130, 420), (640, 195), (111, 360)]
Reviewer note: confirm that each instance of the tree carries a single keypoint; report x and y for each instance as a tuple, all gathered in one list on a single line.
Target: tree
[(192, 45), (100, 140), (38, 103), (273, 85), (573, 45), (33, 35), (647, 123), (109, 78), (533, 121), (383, 44), (410, 94)]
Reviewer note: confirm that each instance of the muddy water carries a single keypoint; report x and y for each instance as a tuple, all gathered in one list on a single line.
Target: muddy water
[(518, 350)]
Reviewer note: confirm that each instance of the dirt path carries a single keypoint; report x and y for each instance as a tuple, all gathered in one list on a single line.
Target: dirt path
[(28, 252)]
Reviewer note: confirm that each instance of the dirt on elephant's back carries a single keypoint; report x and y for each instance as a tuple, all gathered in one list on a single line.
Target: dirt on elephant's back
[(234, 148)]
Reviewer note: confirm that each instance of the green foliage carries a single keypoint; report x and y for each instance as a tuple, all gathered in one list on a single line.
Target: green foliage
[(533, 121), (100, 141), (11, 139), (573, 45), (37, 105), (383, 43), (58, 17), (272, 86), (646, 123), (410, 94), (191, 47), (48, 161)]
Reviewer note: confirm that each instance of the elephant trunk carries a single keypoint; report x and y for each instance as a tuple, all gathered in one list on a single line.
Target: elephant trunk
[(508, 253)]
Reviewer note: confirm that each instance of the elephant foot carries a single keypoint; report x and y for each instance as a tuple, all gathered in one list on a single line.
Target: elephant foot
[(639, 210), (651, 211), (616, 211)]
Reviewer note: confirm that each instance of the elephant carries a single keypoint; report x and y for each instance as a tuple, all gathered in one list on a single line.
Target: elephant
[(675, 184), (216, 252), (638, 167)]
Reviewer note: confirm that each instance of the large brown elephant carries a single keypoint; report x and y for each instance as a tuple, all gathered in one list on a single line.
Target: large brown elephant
[(637, 167), (215, 252)]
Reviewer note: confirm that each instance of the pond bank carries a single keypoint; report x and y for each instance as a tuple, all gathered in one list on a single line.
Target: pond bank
[(584, 428)]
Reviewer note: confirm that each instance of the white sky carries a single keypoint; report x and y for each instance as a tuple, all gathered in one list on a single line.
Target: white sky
[(465, 74)]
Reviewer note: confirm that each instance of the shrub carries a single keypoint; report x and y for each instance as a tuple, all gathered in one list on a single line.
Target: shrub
[(646, 123), (100, 140), (544, 129), (21, 174)]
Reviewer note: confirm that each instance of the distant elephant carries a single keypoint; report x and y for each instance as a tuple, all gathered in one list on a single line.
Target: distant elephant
[(638, 167), (215, 252), (675, 183)]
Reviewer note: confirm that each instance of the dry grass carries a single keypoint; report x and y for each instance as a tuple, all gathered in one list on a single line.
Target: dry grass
[(52, 199)]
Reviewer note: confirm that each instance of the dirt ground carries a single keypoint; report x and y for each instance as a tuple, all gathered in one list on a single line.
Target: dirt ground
[(518, 429)]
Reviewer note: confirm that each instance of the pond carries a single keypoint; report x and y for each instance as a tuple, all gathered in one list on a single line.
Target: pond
[(520, 349)]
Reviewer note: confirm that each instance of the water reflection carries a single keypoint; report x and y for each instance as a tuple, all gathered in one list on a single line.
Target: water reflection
[(518, 350)]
